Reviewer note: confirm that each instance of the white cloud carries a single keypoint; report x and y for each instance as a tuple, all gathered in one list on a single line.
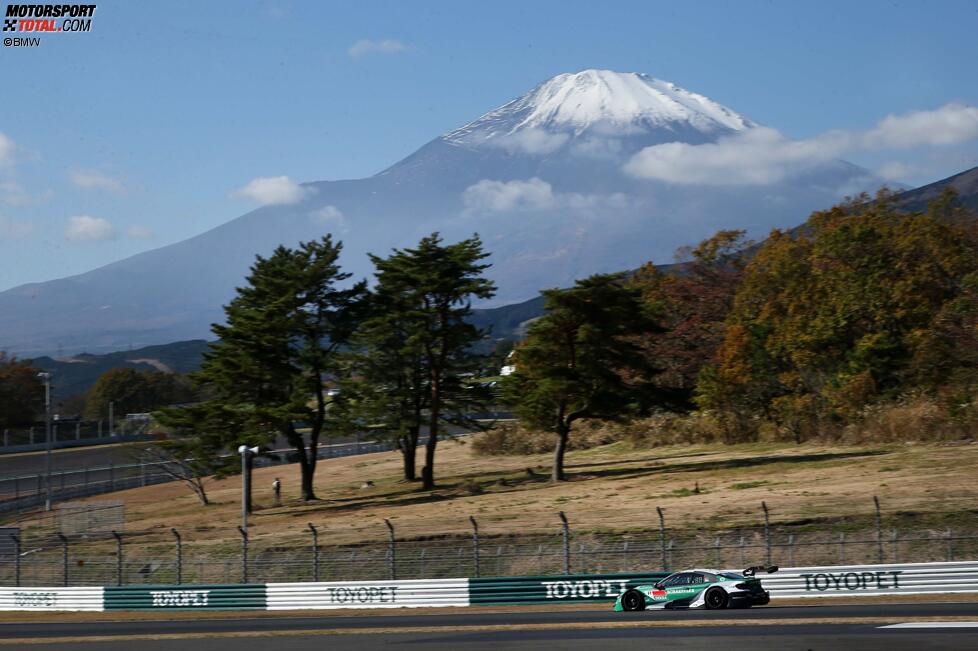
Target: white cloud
[(14, 230), (488, 196), (366, 46), (330, 216), (87, 228), (13, 193), (505, 196), (949, 125), (757, 156), (895, 171), (273, 190), (763, 156), (91, 180), (530, 141), (7, 148), (139, 232), (594, 201)]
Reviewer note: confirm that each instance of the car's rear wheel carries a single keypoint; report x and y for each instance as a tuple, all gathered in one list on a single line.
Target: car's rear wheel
[(633, 600), (715, 599)]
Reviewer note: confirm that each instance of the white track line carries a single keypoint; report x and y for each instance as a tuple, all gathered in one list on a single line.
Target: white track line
[(933, 625)]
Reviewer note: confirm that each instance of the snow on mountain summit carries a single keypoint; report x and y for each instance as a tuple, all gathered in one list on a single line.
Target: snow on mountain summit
[(614, 103)]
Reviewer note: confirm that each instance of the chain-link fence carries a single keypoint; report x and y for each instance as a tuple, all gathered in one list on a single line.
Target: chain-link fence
[(22, 493), (44, 555), (65, 433)]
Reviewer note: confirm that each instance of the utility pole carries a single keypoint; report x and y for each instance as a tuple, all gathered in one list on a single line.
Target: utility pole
[(111, 419), (47, 439), (247, 454)]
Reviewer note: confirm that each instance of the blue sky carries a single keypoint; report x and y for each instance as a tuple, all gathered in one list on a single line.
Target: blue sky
[(138, 134)]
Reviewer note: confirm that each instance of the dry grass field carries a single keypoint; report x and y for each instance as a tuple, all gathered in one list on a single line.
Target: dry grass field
[(611, 488)]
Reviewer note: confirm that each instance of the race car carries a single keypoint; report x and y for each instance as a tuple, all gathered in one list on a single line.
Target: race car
[(710, 589)]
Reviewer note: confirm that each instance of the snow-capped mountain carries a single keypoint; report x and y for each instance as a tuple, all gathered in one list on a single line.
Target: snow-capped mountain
[(604, 103), (542, 179)]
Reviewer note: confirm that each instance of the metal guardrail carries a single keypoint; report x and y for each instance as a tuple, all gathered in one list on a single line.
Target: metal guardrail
[(25, 492)]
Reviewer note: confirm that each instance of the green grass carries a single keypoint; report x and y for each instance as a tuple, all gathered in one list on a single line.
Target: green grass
[(744, 485)]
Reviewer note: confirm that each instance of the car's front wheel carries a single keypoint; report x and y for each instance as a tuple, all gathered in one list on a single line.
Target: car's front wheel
[(715, 599), (633, 600)]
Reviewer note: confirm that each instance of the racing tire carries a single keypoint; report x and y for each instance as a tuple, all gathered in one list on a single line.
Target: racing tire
[(715, 599), (633, 600)]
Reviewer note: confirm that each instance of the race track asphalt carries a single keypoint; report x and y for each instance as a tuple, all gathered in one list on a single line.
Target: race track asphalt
[(828, 627)]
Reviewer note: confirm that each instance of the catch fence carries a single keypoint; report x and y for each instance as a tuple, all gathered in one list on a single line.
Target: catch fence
[(21, 494), (401, 551)]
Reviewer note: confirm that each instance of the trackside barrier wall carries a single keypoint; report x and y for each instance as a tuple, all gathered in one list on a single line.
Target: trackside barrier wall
[(51, 598), (500, 591), (869, 580), (373, 594), (833, 581), (185, 597)]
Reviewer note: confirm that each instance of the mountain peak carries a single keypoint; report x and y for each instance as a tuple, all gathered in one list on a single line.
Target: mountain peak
[(616, 103)]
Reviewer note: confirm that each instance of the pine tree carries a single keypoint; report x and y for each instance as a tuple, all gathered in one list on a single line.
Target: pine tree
[(282, 337), (419, 340), (583, 359)]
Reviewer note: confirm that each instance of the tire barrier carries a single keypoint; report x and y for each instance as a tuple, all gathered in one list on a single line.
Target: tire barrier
[(502, 591), (833, 581), (372, 594), (870, 580), (52, 599), (186, 597)]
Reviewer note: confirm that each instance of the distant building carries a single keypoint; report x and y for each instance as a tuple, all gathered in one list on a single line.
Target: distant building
[(510, 366)]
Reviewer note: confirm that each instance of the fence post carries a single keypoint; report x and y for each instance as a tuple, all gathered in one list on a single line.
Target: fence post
[(662, 537), (391, 551), (176, 534), (716, 552), (244, 554), (791, 550), (6, 437), (118, 557), (767, 531), (950, 554), (64, 558), (315, 553), (32, 436), (16, 540), (566, 529), (842, 548), (475, 545), (879, 529), (78, 431), (742, 543), (896, 546)]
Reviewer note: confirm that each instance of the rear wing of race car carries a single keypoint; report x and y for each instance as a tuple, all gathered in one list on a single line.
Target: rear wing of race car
[(754, 569)]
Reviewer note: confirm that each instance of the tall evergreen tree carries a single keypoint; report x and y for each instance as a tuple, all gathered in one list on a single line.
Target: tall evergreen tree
[(583, 359), (281, 340), (419, 339)]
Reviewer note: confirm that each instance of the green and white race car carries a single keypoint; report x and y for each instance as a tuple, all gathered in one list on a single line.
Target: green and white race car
[(710, 589)]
